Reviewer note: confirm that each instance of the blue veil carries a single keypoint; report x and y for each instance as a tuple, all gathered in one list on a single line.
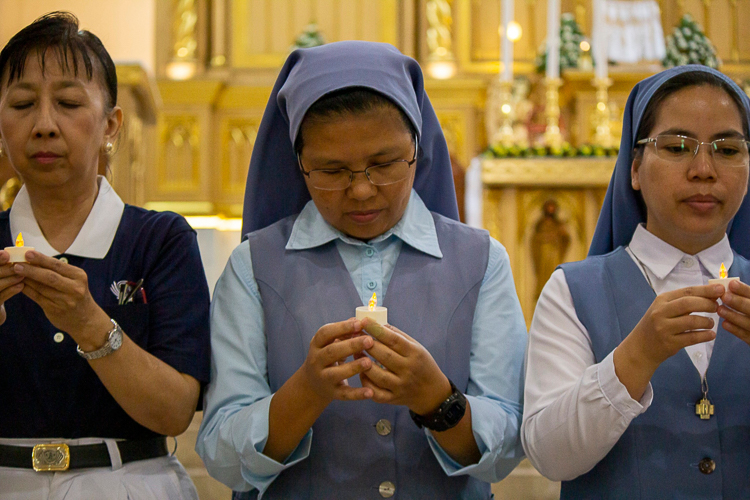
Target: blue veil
[(275, 187), (623, 208)]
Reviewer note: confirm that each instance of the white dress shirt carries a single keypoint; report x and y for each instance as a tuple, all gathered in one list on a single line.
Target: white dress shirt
[(575, 409)]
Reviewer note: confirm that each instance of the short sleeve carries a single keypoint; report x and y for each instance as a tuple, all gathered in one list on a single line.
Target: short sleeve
[(178, 299)]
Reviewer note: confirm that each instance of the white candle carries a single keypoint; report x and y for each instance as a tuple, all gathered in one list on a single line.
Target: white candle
[(553, 39), (506, 45), (18, 252), (722, 279), (599, 40), (373, 311)]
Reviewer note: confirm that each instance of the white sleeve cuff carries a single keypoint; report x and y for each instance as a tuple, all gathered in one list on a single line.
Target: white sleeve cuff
[(617, 394)]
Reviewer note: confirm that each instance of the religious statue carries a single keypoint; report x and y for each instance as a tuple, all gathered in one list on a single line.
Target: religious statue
[(548, 244)]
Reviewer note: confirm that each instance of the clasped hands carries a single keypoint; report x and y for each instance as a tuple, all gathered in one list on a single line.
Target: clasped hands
[(61, 290), (404, 372)]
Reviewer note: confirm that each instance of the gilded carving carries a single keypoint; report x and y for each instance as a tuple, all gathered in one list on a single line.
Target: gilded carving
[(492, 219), (454, 129), (439, 37), (238, 139), (179, 163), (185, 29), (549, 172)]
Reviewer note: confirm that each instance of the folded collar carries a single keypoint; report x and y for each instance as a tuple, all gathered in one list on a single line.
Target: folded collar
[(93, 240), (661, 258), (416, 228)]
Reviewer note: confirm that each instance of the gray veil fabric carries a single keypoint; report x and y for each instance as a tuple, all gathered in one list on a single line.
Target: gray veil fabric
[(623, 207), (275, 187)]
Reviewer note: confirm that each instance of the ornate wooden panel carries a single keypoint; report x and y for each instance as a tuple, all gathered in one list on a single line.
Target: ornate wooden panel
[(179, 160), (264, 30), (544, 212)]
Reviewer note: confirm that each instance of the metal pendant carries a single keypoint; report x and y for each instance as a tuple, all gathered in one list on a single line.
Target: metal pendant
[(704, 409)]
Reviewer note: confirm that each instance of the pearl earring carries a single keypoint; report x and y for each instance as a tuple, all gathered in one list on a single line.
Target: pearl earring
[(108, 148)]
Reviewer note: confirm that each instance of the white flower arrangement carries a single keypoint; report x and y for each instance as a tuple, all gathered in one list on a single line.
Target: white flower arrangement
[(571, 37), (688, 45)]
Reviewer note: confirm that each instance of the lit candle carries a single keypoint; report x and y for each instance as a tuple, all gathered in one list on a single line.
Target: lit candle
[(506, 46), (18, 252), (722, 279), (372, 310), (553, 39), (599, 41)]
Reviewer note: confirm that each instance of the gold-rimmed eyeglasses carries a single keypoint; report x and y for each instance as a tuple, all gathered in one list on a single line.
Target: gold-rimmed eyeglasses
[(728, 151), (383, 174)]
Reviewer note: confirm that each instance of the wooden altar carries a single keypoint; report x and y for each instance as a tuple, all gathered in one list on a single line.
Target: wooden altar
[(516, 193)]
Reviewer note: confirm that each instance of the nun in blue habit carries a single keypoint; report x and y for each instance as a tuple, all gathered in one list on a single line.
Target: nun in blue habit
[(637, 378), (350, 196)]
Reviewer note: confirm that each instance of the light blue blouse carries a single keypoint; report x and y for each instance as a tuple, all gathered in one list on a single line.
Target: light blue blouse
[(235, 424)]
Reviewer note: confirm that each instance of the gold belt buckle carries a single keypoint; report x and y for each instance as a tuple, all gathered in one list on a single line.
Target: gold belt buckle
[(50, 457)]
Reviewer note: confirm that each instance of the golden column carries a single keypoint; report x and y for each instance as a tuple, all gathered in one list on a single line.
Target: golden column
[(184, 61), (440, 60)]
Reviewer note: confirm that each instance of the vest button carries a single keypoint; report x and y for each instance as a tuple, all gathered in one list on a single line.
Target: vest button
[(59, 337), (383, 427), (707, 466), (387, 489), (371, 285), (64, 260)]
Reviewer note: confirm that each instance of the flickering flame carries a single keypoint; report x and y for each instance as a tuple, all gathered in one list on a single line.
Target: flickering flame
[(19, 240), (722, 271), (373, 302)]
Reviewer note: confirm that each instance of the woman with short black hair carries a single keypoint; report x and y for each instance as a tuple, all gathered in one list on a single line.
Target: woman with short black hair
[(104, 331)]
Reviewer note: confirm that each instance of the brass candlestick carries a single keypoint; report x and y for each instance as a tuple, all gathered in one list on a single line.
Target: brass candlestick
[(552, 135), (603, 134), (505, 134)]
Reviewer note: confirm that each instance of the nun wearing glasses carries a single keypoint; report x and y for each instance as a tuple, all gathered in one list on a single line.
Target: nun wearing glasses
[(350, 193), (638, 385)]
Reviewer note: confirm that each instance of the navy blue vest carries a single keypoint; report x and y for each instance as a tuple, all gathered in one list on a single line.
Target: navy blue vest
[(431, 299), (658, 455)]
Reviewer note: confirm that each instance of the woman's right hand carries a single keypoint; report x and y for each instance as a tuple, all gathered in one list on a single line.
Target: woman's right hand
[(668, 326), (325, 370), (10, 283), (321, 379)]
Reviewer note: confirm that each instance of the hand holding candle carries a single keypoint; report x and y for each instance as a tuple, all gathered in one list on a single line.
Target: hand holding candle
[(722, 279), (372, 310), (18, 252)]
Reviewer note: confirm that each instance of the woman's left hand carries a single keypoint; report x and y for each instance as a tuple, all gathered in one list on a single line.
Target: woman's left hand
[(409, 375), (62, 291), (735, 310)]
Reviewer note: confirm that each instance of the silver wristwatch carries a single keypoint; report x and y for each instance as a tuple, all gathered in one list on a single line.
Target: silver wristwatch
[(114, 342)]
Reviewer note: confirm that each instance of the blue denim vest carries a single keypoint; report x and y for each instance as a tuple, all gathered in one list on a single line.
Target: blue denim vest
[(658, 455), (431, 299)]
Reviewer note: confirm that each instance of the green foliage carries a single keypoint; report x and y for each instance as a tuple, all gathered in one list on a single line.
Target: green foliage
[(310, 37), (565, 150), (571, 37), (688, 45)]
